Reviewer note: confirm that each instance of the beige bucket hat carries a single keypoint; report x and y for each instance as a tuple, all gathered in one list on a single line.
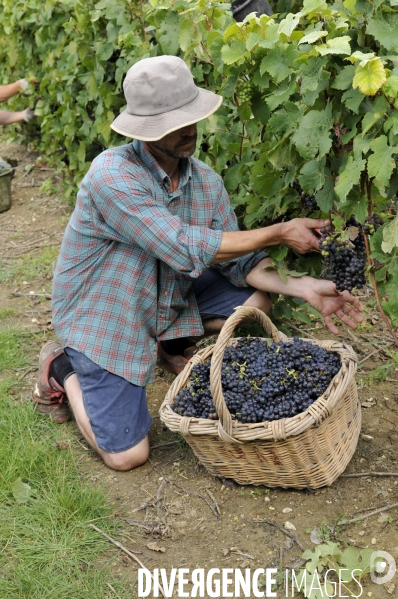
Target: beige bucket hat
[(162, 97)]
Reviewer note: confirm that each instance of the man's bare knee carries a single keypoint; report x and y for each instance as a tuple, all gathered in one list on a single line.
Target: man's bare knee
[(127, 460), (260, 300)]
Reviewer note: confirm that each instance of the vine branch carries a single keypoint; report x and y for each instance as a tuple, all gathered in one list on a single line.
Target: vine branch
[(374, 283)]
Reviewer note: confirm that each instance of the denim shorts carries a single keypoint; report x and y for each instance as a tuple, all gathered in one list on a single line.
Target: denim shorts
[(216, 296), (117, 409)]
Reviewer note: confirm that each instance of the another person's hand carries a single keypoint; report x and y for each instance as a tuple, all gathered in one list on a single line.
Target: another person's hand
[(28, 114), (299, 233), (324, 297), (24, 84)]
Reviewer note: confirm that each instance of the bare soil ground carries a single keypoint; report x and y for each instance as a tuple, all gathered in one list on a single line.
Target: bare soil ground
[(171, 525)]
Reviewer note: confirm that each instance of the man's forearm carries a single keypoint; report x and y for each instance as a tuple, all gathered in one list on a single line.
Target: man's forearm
[(8, 91), (298, 234), (269, 280), (235, 244)]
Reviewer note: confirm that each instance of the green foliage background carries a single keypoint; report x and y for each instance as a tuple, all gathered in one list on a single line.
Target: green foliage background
[(323, 110)]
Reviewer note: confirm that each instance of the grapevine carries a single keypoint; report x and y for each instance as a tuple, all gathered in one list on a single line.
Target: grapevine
[(302, 104), (261, 382), (245, 91), (372, 223)]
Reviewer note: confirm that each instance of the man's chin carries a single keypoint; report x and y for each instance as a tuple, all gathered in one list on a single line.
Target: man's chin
[(185, 153)]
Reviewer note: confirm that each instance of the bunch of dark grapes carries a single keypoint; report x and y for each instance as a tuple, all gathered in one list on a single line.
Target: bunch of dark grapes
[(372, 223), (261, 382), (309, 202), (345, 260), (246, 91)]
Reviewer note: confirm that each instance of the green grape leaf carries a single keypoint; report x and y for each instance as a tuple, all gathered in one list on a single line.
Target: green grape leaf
[(349, 176), (186, 35), (302, 317), (312, 37), (281, 95), (313, 133), (358, 55), (390, 236), (326, 197), (81, 153), (311, 177), (235, 53), (167, 33), (353, 98), (385, 31), (104, 50), (274, 65), (370, 77), (350, 4), (338, 225), (311, 73), (392, 123), (270, 38), (252, 40), (282, 155), (344, 78), (337, 45), (361, 210), (390, 88), (289, 24), (381, 163), (21, 491), (310, 6), (284, 120), (259, 109), (277, 253)]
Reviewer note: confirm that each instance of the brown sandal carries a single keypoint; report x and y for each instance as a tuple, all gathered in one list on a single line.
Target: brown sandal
[(49, 396)]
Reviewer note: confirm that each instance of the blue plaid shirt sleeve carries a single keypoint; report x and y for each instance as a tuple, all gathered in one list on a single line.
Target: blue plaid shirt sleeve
[(236, 270), (134, 214)]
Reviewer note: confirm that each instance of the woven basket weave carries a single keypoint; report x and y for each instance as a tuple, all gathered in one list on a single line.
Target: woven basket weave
[(309, 450)]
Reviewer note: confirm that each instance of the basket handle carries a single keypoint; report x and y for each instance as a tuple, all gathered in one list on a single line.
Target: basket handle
[(241, 312)]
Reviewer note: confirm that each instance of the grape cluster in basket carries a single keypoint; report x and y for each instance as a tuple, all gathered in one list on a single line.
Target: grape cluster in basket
[(261, 382)]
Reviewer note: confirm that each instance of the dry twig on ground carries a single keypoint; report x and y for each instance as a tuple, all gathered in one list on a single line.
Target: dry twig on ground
[(123, 548)]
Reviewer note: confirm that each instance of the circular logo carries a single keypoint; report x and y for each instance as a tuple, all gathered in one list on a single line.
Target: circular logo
[(382, 567)]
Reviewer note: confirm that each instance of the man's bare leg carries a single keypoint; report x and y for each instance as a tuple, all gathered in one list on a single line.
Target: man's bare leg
[(125, 460)]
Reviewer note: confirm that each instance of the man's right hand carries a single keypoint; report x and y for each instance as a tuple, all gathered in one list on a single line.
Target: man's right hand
[(299, 233)]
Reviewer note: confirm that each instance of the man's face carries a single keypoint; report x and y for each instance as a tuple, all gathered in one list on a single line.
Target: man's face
[(178, 144)]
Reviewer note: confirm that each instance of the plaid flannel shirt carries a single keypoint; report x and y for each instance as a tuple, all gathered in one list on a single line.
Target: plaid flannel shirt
[(129, 254)]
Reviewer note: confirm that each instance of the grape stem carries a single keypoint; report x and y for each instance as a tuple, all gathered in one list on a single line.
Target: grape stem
[(372, 275)]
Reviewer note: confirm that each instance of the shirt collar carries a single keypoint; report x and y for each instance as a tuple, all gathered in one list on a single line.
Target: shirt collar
[(156, 171)]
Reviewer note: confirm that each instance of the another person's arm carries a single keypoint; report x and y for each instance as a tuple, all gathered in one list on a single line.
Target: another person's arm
[(7, 118), (8, 91)]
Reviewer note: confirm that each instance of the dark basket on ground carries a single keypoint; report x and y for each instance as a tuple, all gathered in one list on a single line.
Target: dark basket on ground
[(310, 449)]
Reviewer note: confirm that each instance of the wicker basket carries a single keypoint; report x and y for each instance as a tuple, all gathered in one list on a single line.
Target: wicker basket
[(309, 450)]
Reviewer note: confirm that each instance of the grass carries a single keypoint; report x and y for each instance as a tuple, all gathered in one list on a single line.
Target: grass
[(29, 267), (46, 547), (6, 313)]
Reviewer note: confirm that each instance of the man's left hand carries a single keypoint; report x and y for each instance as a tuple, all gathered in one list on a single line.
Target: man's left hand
[(324, 297)]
